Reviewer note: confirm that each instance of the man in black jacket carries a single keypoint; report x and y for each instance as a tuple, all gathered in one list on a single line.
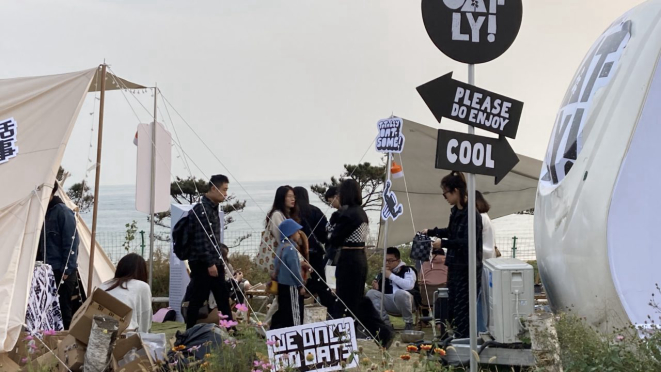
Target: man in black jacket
[(207, 269), (60, 245)]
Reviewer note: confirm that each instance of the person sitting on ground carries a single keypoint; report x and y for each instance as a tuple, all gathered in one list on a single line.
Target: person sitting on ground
[(401, 286), (130, 286), (289, 278), (237, 293)]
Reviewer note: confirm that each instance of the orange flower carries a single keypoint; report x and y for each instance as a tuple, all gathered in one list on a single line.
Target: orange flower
[(405, 357), (411, 348), (178, 348), (439, 351), (425, 347)]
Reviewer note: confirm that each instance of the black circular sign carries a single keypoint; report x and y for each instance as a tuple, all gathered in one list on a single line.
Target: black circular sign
[(472, 31)]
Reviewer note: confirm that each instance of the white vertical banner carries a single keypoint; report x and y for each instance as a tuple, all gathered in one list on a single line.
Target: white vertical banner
[(179, 277), (163, 165)]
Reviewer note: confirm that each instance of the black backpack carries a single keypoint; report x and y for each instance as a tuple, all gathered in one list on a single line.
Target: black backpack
[(182, 238)]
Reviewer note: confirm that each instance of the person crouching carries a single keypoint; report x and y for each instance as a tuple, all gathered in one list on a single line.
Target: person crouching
[(289, 278)]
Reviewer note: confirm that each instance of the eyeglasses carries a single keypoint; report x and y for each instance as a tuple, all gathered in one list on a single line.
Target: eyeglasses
[(392, 260), (444, 194)]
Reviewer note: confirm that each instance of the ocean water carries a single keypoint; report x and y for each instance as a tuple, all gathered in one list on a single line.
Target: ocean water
[(117, 208)]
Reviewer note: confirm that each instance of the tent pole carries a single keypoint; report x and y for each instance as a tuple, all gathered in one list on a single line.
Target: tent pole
[(90, 269), (385, 241), (472, 282), (152, 201)]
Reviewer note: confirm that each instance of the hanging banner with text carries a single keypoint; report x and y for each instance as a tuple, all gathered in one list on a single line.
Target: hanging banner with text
[(471, 105), (323, 346), (8, 132), (470, 153), (390, 138)]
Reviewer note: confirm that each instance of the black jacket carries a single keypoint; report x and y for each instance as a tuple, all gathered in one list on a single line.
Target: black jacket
[(314, 227), (457, 238), (205, 222), (61, 238), (351, 228)]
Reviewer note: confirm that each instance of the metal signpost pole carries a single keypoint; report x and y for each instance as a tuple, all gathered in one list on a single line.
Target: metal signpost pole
[(472, 282)]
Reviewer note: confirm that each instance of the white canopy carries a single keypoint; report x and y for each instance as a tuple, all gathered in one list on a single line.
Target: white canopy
[(44, 110), (424, 205)]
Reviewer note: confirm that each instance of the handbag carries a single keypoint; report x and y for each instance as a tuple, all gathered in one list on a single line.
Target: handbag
[(266, 252), (420, 247), (272, 285)]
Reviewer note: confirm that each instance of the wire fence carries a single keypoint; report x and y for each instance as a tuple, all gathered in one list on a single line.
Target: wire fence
[(116, 245)]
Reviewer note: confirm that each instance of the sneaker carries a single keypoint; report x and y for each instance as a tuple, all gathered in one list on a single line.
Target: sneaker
[(408, 327)]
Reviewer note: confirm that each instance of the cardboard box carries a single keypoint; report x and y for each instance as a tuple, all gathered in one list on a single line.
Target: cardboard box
[(122, 347), (23, 349), (101, 302), (72, 353), (7, 364), (45, 363)]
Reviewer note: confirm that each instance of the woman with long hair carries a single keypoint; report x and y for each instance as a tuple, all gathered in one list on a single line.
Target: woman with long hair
[(284, 207), (488, 251), (455, 239), (349, 235), (130, 286), (314, 224), (488, 233)]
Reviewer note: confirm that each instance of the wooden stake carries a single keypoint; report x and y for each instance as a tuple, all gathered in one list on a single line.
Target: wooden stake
[(97, 180)]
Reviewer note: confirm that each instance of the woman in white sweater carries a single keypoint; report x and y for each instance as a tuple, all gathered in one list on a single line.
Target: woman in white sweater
[(488, 251), (284, 207), (130, 286), (488, 233)]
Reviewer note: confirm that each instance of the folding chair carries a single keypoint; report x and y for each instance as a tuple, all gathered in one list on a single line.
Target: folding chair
[(433, 275)]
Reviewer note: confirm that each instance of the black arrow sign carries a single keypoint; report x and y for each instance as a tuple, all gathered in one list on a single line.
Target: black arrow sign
[(470, 153), (471, 105)]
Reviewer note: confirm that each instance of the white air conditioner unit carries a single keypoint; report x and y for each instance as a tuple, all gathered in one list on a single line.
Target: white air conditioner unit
[(510, 297)]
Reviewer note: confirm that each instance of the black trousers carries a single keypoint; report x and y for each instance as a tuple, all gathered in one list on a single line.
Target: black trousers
[(350, 276), (65, 293), (317, 281), (459, 300), (201, 284), (290, 308)]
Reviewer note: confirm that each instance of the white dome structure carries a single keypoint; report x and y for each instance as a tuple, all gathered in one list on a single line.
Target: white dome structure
[(596, 211)]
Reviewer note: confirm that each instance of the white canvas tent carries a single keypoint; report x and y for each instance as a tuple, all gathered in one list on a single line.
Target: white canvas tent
[(428, 208), (44, 110)]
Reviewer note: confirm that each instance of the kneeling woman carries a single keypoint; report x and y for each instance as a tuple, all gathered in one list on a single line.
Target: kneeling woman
[(130, 286), (455, 240), (349, 234)]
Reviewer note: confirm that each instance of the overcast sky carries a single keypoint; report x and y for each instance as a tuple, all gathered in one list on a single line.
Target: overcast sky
[(283, 89)]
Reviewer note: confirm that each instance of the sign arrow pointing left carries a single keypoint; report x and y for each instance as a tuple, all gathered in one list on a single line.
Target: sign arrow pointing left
[(471, 105)]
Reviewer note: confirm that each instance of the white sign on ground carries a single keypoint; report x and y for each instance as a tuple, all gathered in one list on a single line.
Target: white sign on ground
[(323, 346)]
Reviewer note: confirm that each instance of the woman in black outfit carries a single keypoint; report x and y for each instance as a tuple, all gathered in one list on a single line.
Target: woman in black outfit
[(314, 224), (454, 191), (349, 234)]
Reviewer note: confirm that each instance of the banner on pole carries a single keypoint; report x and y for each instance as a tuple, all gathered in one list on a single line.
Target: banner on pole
[(323, 346), (391, 208), (390, 138)]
